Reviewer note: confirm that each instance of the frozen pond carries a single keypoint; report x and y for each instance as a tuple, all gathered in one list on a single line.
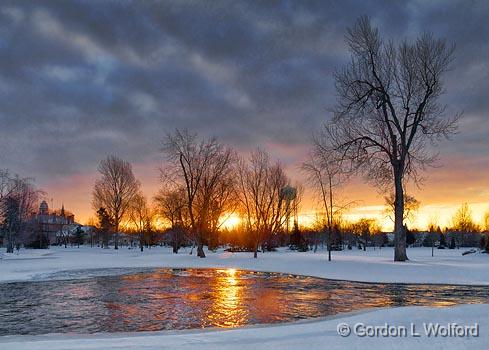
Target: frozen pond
[(163, 299)]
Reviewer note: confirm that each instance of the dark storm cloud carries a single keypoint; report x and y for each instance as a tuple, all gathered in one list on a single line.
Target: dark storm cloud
[(80, 79)]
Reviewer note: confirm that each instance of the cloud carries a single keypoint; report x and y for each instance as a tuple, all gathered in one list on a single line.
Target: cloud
[(82, 79)]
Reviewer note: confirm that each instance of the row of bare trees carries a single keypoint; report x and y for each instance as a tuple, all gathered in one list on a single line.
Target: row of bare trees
[(386, 119), (204, 182)]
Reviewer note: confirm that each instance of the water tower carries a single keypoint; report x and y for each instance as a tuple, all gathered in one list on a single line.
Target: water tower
[(289, 194)]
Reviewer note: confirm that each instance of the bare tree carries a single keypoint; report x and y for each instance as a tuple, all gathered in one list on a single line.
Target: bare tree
[(4, 183), (388, 110), (5, 189), (260, 184), (326, 174), (141, 216), (365, 228), (187, 159), (115, 190), (201, 167), (217, 197), (463, 222), (171, 206), (18, 199)]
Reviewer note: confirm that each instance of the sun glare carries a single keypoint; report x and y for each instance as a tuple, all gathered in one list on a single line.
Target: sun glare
[(230, 221)]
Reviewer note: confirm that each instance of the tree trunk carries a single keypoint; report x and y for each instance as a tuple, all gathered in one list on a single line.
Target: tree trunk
[(175, 241), (116, 237), (10, 245), (200, 247), (329, 243), (255, 245), (105, 238), (200, 250), (399, 230)]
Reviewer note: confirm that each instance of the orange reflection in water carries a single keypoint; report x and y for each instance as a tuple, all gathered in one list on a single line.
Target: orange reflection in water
[(227, 309), (195, 298)]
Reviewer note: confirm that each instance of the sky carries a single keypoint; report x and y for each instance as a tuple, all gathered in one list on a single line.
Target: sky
[(83, 79)]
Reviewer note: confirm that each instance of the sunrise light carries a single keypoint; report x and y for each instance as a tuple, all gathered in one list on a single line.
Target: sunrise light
[(312, 174)]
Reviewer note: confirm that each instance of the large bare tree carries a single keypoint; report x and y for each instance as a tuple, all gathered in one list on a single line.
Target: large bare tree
[(203, 167), (217, 198), (114, 190), (388, 111), (260, 183)]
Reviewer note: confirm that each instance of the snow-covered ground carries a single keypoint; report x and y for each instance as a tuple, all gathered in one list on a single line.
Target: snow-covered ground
[(308, 335), (448, 266)]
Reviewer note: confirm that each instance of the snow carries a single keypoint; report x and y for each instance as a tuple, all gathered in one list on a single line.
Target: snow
[(448, 266), (306, 335)]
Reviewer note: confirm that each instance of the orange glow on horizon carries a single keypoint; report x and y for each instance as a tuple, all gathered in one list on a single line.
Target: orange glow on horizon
[(439, 214), (441, 195)]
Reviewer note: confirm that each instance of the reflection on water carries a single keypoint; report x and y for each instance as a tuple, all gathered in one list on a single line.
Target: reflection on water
[(228, 291), (196, 298)]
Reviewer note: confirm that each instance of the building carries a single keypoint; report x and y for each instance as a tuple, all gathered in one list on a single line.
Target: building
[(52, 226)]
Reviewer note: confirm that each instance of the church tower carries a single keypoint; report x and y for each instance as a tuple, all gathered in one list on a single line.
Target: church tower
[(43, 208)]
